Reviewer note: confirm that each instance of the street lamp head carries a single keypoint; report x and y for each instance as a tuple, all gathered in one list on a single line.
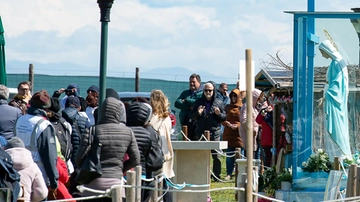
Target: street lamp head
[(105, 6)]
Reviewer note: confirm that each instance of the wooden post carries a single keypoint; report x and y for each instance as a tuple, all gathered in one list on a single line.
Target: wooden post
[(31, 77), (130, 192), (161, 185), (207, 135), (336, 163), (242, 184), (357, 181), (116, 194), (249, 124), (138, 183), (154, 196), (137, 80), (185, 131), (351, 183)]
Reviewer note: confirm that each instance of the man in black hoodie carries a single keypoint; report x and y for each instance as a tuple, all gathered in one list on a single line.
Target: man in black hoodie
[(209, 112)]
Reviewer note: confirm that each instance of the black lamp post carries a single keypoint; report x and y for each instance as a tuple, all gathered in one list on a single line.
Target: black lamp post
[(105, 7), (356, 24)]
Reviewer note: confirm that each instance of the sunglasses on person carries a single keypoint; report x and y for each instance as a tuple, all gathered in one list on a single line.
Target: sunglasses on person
[(233, 95), (208, 90)]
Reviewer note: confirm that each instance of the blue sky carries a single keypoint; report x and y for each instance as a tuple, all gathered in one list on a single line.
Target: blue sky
[(177, 37)]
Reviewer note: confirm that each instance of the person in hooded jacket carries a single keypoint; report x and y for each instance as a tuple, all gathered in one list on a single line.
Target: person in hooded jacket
[(258, 104), (116, 140), (137, 118), (30, 175), (231, 129), (209, 112)]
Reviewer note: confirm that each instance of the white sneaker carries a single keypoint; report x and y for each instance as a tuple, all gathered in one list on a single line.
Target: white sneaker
[(228, 177)]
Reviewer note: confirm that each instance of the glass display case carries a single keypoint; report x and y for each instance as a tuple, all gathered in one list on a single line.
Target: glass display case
[(326, 91)]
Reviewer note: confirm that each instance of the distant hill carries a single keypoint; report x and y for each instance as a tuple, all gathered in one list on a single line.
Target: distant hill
[(169, 74)]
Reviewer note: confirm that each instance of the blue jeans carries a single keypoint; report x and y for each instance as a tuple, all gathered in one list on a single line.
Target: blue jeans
[(230, 161)]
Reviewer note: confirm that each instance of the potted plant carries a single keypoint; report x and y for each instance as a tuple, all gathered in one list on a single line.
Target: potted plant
[(285, 178), (317, 162), (268, 182)]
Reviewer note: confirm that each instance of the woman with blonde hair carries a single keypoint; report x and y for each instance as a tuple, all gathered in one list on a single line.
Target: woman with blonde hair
[(161, 123)]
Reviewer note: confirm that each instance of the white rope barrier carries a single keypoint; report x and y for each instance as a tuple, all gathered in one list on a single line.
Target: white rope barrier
[(83, 198), (355, 198)]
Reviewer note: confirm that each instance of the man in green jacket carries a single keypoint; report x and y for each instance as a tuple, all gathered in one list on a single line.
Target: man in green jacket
[(185, 103)]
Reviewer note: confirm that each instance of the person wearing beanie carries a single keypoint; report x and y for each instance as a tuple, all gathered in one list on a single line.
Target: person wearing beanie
[(30, 175), (258, 104), (79, 124), (8, 116), (116, 140), (62, 130), (38, 135), (70, 90), (209, 112)]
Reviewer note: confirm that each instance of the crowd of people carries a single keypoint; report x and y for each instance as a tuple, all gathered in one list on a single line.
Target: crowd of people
[(52, 134), (45, 139), (204, 107)]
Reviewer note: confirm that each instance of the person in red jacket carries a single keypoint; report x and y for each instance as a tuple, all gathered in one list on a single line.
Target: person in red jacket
[(62, 192), (265, 119)]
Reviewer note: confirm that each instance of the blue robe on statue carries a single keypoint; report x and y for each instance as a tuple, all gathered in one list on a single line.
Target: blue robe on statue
[(336, 104)]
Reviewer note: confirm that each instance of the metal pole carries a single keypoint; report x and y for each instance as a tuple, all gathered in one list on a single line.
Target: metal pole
[(137, 80), (249, 125), (105, 6)]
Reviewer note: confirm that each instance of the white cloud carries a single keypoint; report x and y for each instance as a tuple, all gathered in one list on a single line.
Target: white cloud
[(197, 35)]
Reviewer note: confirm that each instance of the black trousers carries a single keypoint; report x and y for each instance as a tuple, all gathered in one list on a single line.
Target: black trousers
[(216, 158), (168, 196)]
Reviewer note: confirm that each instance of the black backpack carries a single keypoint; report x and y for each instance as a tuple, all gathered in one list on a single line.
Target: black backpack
[(64, 137), (155, 158), (9, 177)]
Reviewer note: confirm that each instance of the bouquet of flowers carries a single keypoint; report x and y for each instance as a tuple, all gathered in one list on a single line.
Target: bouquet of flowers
[(318, 161), (355, 159)]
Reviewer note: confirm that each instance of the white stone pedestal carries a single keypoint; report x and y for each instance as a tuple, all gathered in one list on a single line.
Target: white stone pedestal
[(241, 165), (192, 166)]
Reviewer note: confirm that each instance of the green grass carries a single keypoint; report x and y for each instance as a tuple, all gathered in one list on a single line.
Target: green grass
[(223, 195)]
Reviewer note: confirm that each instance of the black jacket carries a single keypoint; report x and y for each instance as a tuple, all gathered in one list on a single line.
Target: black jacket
[(136, 118), (116, 140), (9, 177), (71, 115), (208, 120)]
